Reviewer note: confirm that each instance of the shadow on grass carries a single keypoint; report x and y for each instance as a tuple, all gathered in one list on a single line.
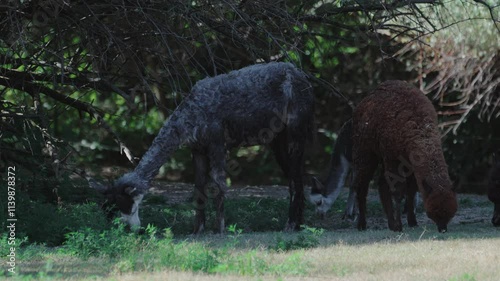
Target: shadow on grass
[(254, 232)]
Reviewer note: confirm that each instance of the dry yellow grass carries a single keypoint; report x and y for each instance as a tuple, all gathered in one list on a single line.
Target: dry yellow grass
[(470, 252), (460, 259)]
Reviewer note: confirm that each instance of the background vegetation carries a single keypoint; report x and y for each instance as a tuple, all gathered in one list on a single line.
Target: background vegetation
[(89, 84), (86, 85)]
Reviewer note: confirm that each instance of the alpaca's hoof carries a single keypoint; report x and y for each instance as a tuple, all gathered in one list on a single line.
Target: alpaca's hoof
[(496, 220), (396, 228), (412, 224), (395, 225), (198, 229), (221, 226), (361, 226), (289, 227)]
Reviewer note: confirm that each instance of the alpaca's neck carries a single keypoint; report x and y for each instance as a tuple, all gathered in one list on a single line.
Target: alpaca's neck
[(166, 142), (432, 166), (336, 177), (340, 161)]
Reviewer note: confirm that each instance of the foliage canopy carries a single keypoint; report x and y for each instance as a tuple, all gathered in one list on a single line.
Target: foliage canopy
[(76, 75)]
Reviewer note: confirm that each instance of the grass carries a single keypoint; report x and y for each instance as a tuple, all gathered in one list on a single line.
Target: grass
[(467, 252), (253, 248)]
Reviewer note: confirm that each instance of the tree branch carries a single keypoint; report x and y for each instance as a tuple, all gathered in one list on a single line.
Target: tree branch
[(33, 89)]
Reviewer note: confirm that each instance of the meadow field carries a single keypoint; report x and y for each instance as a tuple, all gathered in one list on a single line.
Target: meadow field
[(254, 248)]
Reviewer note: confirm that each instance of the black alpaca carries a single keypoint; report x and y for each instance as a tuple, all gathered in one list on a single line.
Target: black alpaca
[(261, 104)]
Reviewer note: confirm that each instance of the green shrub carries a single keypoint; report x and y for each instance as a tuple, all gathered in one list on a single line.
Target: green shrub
[(308, 238), (87, 242)]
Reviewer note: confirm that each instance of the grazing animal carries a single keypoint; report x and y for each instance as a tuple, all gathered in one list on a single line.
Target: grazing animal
[(397, 125), (494, 188), (324, 194), (261, 104)]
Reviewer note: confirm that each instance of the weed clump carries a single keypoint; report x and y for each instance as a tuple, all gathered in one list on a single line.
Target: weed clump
[(308, 238)]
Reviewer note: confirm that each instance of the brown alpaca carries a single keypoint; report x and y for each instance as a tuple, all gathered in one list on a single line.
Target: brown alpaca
[(397, 126), (494, 188)]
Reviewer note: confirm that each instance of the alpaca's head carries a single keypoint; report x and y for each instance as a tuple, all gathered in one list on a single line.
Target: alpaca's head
[(440, 205), (318, 198), (123, 198)]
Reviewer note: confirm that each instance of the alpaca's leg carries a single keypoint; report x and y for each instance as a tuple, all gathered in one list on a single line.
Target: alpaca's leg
[(386, 199), (392, 190), (216, 155), (411, 191), (279, 147), (351, 209), (289, 151), (364, 167), (200, 162), (219, 205), (296, 186)]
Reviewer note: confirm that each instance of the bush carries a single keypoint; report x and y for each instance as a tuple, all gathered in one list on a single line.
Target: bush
[(87, 242), (308, 238)]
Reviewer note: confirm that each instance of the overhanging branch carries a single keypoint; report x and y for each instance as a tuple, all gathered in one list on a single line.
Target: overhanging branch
[(33, 89)]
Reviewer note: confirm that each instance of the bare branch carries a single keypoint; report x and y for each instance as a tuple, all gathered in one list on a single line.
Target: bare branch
[(496, 20), (33, 89)]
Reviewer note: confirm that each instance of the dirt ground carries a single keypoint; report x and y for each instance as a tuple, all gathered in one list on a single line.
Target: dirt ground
[(472, 208)]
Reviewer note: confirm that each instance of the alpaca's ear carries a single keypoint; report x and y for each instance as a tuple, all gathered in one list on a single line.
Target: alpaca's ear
[(317, 186), (426, 187)]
